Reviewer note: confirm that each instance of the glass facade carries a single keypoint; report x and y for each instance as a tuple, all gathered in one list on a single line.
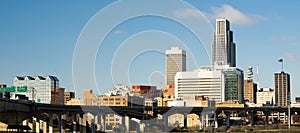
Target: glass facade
[(235, 85)]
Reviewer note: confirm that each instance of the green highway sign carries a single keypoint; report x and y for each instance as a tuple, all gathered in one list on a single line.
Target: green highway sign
[(22, 89), (14, 89)]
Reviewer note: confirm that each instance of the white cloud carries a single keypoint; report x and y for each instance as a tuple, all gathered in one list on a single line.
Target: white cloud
[(119, 32), (234, 15), (291, 56), (225, 11)]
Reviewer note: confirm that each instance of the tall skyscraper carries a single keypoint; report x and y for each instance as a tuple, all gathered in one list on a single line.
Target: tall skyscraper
[(223, 47), (175, 62), (282, 88)]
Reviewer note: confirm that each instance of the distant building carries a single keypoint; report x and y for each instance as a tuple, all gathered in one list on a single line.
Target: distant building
[(234, 90), (75, 101), (145, 91), (265, 97), (168, 94), (250, 89), (192, 101), (68, 96), (119, 90), (223, 47), (201, 82), (175, 62), (90, 99), (57, 96), (39, 87), (113, 100), (282, 88)]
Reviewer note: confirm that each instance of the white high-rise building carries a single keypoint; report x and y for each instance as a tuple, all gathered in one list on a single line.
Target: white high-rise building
[(201, 82), (175, 62), (223, 47), (39, 87), (265, 96)]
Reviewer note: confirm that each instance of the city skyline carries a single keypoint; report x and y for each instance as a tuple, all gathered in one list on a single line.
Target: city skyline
[(41, 40)]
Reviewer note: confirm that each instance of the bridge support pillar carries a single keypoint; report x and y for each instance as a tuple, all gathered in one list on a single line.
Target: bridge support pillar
[(126, 124), (74, 121), (97, 122), (93, 124), (227, 119), (103, 122), (60, 124), (216, 120), (142, 127), (37, 125), (202, 121), (185, 121), (50, 123), (30, 124), (82, 123), (44, 126), (25, 123)]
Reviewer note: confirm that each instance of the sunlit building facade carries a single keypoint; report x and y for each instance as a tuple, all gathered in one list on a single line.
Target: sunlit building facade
[(39, 87), (175, 62)]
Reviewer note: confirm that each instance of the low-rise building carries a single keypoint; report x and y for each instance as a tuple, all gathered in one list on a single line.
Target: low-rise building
[(204, 82), (192, 101), (75, 101), (57, 96), (168, 94), (68, 96), (265, 97)]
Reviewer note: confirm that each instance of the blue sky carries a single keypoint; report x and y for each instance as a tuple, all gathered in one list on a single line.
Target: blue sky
[(39, 38)]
